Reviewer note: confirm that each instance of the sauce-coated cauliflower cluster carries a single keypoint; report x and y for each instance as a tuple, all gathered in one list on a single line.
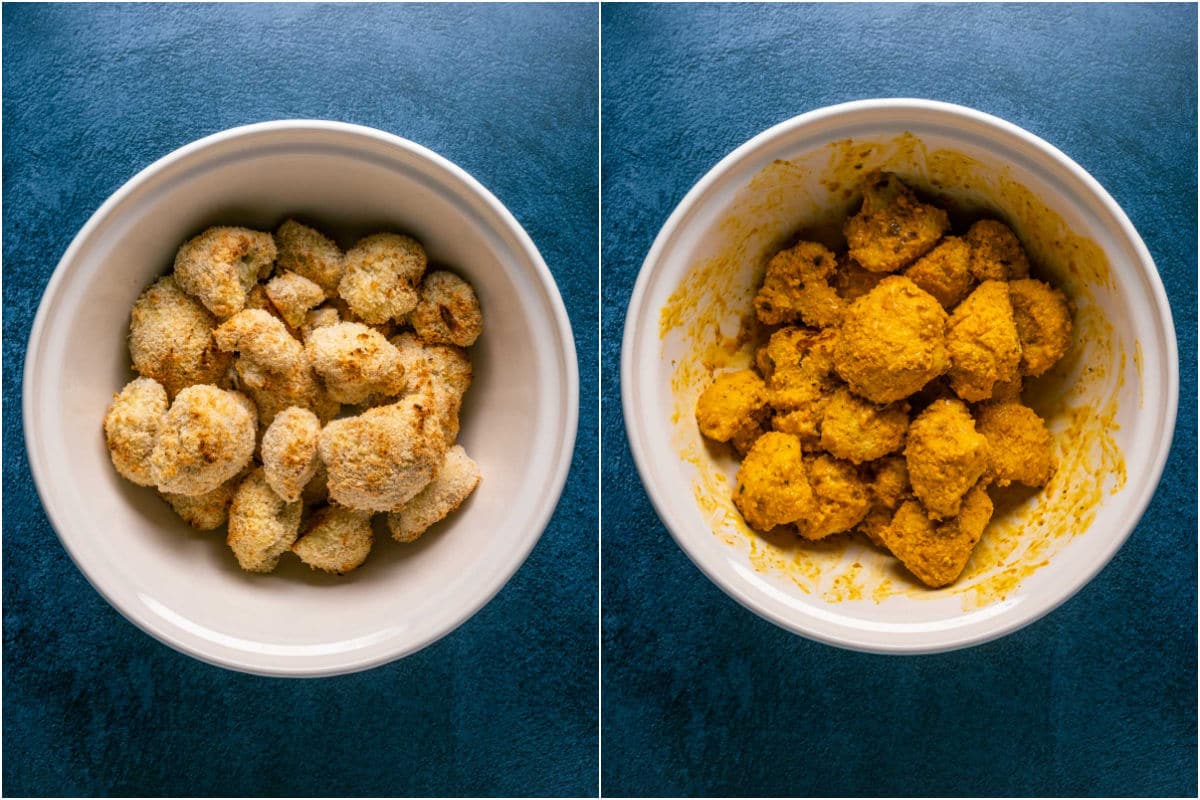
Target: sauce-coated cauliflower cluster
[(293, 391), (887, 396)]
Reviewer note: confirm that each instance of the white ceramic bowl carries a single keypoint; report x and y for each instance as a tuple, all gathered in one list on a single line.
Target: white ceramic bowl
[(1111, 402), (183, 586)]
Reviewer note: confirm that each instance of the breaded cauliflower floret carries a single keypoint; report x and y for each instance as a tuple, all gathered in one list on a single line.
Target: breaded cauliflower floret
[(221, 265), (945, 456), (447, 311), (981, 338), (440, 374), (207, 437), (456, 479), (171, 339), (840, 498), (944, 272), (379, 282), (309, 253), (734, 402), (272, 366), (132, 426), (380, 459), (321, 317), (889, 487), (207, 511), (1020, 447), (796, 288), (892, 341), (937, 553), (893, 228), (858, 430), (355, 362), (802, 381), (289, 451), (772, 487), (996, 252), (262, 525), (336, 540), (293, 295), (1043, 321)]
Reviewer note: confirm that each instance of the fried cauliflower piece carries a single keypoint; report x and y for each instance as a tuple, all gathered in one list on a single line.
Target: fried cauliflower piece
[(220, 266), (802, 381), (132, 426), (858, 430), (996, 252), (981, 338), (945, 456), (262, 525), (382, 458), (355, 362), (734, 402), (440, 375), (289, 451), (889, 487), (745, 438), (796, 288), (1020, 447), (772, 485), (380, 277), (309, 253), (447, 311), (321, 317), (1043, 321), (944, 272), (937, 553), (207, 437), (272, 366), (892, 341), (840, 498), (456, 479), (292, 296), (171, 339), (893, 228), (336, 540), (208, 511)]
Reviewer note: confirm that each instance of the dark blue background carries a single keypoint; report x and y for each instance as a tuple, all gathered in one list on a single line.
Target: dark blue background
[(701, 696), (506, 704)]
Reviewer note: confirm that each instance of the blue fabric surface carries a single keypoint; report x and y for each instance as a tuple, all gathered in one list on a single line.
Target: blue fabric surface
[(701, 696), (507, 703)]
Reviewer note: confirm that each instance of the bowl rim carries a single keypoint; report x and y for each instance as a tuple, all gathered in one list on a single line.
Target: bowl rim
[(635, 314), (155, 626)]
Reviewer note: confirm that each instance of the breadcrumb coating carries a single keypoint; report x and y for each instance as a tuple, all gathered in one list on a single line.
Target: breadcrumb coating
[(893, 228), (796, 288), (355, 362), (944, 272), (802, 381), (945, 456), (289, 451), (937, 553), (981, 338), (772, 484), (293, 295), (318, 318), (380, 277), (447, 311), (733, 402), (336, 540), (441, 374), (262, 525), (207, 437), (132, 426), (892, 341), (380, 459), (996, 252), (208, 511), (840, 498), (221, 265), (1043, 320), (456, 479), (171, 339), (858, 430), (310, 254), (1020, 447)]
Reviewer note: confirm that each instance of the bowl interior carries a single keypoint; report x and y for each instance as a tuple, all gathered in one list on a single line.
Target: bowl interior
[(1110, 402), (518, 420)]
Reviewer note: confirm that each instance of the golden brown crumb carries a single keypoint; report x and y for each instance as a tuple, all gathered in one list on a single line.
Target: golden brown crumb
[(289, 451), (354, 362), (893, 228), (221, 265), (840, 498), (440, 374), (171, 339), (207, 437), (944, 272), (447, 312), (796, 288), (937, 553), (772, 487), (732, 403), (981, 338), (858, 430), (318, 318), (996, 252), (1043, 321), (262, 525), (292, 296), (207, 511), (945, 456), (131, 428), (456, 479), (1020, 447), (309, 253), (337, 540), (380, 277)]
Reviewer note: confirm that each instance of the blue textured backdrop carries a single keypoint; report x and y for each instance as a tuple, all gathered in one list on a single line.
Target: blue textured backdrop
[(702, 697), (506, 704)]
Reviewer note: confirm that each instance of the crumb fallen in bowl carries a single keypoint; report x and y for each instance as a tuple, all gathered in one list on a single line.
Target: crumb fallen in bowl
[(281, 380), (889, 406)]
